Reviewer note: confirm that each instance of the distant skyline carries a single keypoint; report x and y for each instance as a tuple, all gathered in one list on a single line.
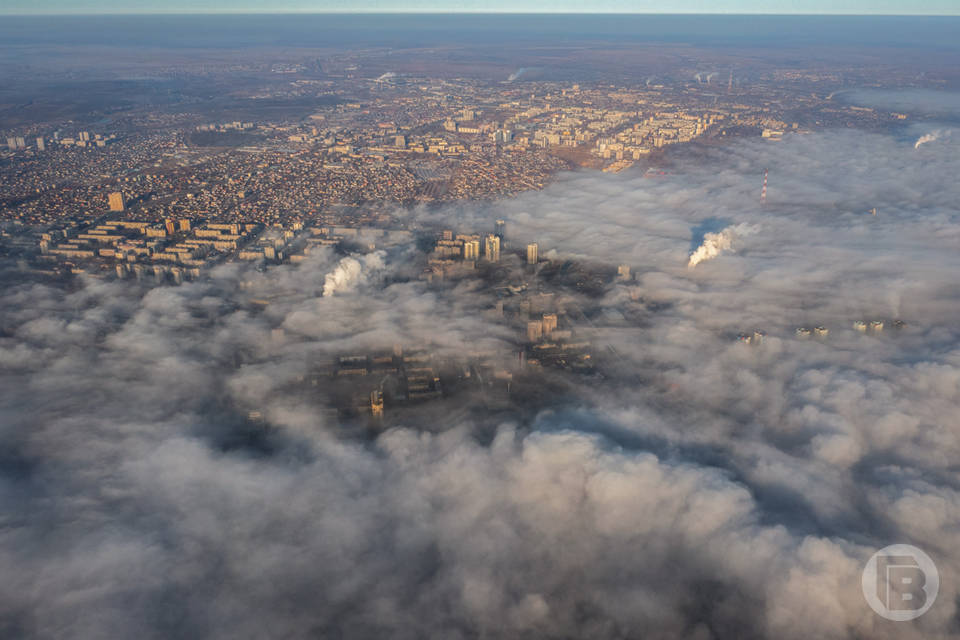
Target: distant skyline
[(820, 7)]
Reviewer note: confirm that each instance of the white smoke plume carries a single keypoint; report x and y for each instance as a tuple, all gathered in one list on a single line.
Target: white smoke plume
[(930, 137), (716, 243), (350, 273), (516, 74)]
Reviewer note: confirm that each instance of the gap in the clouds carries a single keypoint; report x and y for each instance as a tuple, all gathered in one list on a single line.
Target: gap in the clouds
[(708, 225), (227, 430)]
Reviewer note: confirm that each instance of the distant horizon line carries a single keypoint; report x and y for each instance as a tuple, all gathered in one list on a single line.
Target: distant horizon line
[(485, 13)]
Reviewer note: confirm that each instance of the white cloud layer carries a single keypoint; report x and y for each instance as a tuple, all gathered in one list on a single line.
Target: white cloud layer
[(707, 489)]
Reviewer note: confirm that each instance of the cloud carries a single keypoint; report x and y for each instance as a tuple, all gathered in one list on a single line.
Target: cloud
[(701, 488), (921, 102)]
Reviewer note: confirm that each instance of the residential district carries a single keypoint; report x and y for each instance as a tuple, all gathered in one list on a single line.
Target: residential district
[(160, 198)]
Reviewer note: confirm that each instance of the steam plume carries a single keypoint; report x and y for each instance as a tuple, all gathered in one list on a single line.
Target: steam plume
[(716, 243), (516, 74), (350, 273), (928, 137)]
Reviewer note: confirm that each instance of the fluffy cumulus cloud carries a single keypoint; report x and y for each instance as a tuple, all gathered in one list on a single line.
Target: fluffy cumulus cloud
[(704, 488)]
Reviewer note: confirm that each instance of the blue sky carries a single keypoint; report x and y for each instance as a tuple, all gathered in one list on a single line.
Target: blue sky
[(915, 7)]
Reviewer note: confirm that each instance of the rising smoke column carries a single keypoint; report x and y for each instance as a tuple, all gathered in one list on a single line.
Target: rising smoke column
[(349, 273), (716, 243), (516, 74), (930, 137)]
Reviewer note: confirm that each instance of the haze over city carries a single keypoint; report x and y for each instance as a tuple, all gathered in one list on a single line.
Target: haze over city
[(384, 320), (810, 7)]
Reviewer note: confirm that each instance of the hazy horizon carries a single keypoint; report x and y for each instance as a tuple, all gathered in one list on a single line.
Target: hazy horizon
[(622, 7), (372, 11), (426, 29)]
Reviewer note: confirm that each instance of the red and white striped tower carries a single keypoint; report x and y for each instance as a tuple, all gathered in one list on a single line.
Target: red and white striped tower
[(763, 193)]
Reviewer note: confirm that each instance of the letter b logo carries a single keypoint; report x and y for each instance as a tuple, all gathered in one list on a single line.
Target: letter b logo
[(900, 582)]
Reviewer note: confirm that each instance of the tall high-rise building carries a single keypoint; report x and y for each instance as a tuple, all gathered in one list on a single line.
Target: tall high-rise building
[(549, 323), (492, 248), (471, 250), (21, 142), (534, 330), (41, 145), (11, 143), (116, 201), (500, 229), (400, 142), (532, 250), (85, 136)]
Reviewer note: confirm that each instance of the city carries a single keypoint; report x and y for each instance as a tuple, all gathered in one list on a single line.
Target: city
[(432, 324)]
